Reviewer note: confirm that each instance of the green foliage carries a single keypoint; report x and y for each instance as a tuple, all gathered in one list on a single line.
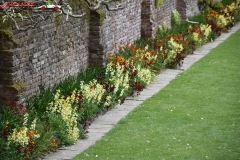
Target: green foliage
[(237, 15), (227, 2), (217, 6), (175, 18), (158, 3), (6, 34), (207, 2), (162, 30), (201, 18)]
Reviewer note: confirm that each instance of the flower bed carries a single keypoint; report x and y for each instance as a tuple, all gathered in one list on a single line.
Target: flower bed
[(61, 116)]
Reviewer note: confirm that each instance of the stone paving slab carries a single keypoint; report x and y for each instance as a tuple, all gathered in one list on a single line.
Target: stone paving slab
[(106, 122)]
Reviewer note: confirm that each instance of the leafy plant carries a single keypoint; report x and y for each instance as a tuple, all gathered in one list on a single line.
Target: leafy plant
[(175, 18)]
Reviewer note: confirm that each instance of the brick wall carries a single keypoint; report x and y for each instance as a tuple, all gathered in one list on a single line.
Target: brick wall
[(121, 25), (48, 53), (187, 8)]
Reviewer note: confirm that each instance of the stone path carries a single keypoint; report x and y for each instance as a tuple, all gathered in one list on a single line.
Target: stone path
[(104, 123)]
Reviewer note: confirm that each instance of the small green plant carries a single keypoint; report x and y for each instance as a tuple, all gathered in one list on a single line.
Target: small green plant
[(207, 2), (175, 18), (162, 29), (217, 6), (20, 86), (228, 2)]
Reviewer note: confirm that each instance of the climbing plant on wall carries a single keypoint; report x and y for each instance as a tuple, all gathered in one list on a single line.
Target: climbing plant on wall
[(25, 15)]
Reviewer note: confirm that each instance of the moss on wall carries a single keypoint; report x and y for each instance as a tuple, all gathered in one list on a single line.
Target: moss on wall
[(58, 20), (20, 86), (158, 3), (6, 35), (83, 5), (101, 16)]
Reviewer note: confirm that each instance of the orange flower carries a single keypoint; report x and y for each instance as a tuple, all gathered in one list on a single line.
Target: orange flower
[(120, 48), (120, 60), (140, 50), (30, 134), (54, 142), (114, 58), (133, 48)]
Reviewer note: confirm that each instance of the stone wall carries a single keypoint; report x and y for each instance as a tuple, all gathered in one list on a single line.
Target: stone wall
[(48, 53), (187, 8)]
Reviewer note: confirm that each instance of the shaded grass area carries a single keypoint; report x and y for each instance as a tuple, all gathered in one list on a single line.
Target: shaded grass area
[(197, 116)]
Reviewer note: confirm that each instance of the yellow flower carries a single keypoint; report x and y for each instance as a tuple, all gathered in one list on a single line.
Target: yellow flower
[(19, 137)]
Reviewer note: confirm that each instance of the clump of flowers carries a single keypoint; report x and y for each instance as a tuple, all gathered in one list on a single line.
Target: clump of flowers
[(65, 109), (231, 12), (144, 76), (200, 34), (219, 22), (116, 82), (172, 50), (116, 59), (92, 92), (23, 138)]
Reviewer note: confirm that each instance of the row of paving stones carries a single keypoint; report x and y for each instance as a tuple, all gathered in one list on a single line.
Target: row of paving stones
[(106, 122)]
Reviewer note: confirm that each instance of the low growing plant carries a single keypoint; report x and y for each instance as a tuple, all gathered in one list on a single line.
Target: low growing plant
[(175, 18)]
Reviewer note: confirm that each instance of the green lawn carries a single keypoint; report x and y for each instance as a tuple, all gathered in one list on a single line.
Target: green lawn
[(197, 116)]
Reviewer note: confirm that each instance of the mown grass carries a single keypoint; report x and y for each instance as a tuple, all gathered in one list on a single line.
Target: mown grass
[(197, 116)]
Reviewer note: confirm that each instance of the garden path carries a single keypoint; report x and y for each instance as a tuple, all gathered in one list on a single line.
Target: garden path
[(106, 122)]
